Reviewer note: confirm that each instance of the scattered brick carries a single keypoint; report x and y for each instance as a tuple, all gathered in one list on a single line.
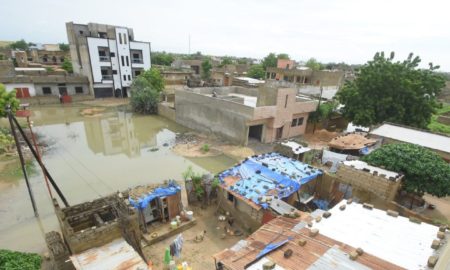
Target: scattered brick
[(326, 214), (436, 244), (301, 242), (432, 260), (353, 255), (313, 232), (360, 251), (392, 213), (368, 206)]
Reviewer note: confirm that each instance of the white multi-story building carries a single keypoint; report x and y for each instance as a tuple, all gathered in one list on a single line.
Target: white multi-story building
[(108, 55)]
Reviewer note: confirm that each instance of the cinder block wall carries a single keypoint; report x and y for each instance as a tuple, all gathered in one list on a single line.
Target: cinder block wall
[(379, 185)]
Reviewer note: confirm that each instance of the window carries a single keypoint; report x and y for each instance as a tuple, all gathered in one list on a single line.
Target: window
[(129, 77), (81, 32), (104, 72), (79, 89), (128, 61), (111, 54), (230, 197), (136, 56), (137, 73), (62, 59), (114, 72), (123, 60), (124, 77), (125, 38), (120, 38), (297, 122), (46, 90), (102, 35), (285, 102)]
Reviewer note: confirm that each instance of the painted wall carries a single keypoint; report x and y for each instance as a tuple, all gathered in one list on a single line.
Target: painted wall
[(11, 86), (145, 48), (123, 50), (55, 90), (93, 44)]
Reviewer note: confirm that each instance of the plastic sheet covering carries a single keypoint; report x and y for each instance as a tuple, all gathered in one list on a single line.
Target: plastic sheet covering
[(269, 173), (172, 188), (271, 247)]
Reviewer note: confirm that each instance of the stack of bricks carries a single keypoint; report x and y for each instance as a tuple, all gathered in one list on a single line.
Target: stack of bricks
[(377, 184), (58, 252)]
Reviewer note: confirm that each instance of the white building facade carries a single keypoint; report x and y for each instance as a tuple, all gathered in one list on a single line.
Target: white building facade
[(109, 56)]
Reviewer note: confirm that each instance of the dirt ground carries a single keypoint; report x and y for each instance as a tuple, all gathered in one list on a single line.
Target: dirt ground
[(319, 139), (441, 213), (197, 255)]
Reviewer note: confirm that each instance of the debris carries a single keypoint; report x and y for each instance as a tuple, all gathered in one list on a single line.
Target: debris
[(318, 218), (443, 228), (269, 265), (353, 255), (441, 235), (349, 201), (368, 206), (415, 220), (432, 260), (313, 232), (288, 253), (301, 242), (392, 213), (360, 251), (342, 207), (435, 244), (326, 214)]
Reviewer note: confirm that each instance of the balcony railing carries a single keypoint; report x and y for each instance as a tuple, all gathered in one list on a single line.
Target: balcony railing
[(104, 58), (137, 61), (107, 77)]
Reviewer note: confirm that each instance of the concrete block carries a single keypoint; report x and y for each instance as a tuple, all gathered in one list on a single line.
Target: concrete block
[(415, 220), (349, 201), (342, 207), (441, 235), (392, 213), (318, 219), (269, 265), (443, 228), (368, 206), (326, 214), (432, 260), (360, 251), (435, 244), (353, 255), (313, 232), (301, 242)]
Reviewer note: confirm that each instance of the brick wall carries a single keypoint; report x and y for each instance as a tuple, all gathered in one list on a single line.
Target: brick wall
[(379, 185)]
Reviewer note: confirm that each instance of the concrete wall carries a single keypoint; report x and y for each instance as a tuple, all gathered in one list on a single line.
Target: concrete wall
[(166, 111), (55, 89), (207, 114), (11, 86), (384, 188)]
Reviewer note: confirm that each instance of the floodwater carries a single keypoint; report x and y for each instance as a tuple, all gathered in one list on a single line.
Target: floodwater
[(89, 157)]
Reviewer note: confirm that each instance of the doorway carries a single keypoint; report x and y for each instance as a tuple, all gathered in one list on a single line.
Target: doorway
[(279, 133), (255, 132)]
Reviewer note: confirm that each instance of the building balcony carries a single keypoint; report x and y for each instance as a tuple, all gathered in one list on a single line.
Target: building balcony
[(137, 61), (107, 77), (104, 59)]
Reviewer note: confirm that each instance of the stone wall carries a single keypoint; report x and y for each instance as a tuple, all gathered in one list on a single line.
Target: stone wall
[(58, 252), (377, 184)]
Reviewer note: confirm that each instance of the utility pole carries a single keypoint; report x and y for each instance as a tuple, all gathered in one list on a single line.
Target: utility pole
[(22, 161)]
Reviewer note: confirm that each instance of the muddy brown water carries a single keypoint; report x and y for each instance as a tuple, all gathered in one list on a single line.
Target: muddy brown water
[(89, 157)]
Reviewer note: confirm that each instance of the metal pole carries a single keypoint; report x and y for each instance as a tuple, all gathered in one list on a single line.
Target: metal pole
[(33, 138), (22, 162)]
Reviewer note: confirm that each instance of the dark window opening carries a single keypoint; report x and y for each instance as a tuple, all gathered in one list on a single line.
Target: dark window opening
[(294, 123), (46, 90), (124, 77), (137, 73), (78, 89), (129, 77), (125, 38), (123, 60), (120, 38), (114, 72), (230, 197), (81, 32), (111, 54), (128, 61), (297, 122)]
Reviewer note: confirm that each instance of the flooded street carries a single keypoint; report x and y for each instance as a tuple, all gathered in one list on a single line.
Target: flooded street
[(90, 156)]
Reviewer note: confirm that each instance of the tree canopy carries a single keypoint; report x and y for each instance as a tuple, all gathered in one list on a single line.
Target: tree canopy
[(154, 79), (206, 69), (271, 59), (283, 56), (256, 72), (7, 98), (64, 47), (226, 61), (424, 170), (67, 65), (394, 91), (313, 64), (19, 45), (162, 58)]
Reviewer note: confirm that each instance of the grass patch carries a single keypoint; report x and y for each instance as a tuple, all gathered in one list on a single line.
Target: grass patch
[(205, 148), (435, 125), (13, 171), (14, 260)]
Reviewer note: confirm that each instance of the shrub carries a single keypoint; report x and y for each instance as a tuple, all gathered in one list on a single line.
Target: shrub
[(205, 148)]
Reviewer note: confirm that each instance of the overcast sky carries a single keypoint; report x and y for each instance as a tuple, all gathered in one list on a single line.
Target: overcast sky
[(331, 31)]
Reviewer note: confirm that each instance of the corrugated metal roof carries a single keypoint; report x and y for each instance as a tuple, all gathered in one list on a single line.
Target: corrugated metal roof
[(117, 255), (414, 136), (336, 259)]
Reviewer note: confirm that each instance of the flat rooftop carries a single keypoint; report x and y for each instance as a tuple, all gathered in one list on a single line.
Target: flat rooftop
[(393, 239), (414, 136)]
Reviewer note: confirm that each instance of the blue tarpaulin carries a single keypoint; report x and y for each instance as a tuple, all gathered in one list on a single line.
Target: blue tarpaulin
[(269, 174), (270, 247), (171, 188)]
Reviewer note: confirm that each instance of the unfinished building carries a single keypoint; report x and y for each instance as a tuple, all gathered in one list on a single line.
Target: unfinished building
[(267, 113)]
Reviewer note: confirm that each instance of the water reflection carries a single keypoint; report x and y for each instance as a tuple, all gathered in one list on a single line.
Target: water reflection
[(89, 157)]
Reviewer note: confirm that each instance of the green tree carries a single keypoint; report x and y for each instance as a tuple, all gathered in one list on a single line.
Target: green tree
[(226, 61), (144, 98), (206, 69), (19, 45), (154, 78), (424, 170), (7, 98), (283, 56), (67, 65), (269, 61), (257, 72), (313, 64), (162, 58), (64, 47), (397, 92)]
